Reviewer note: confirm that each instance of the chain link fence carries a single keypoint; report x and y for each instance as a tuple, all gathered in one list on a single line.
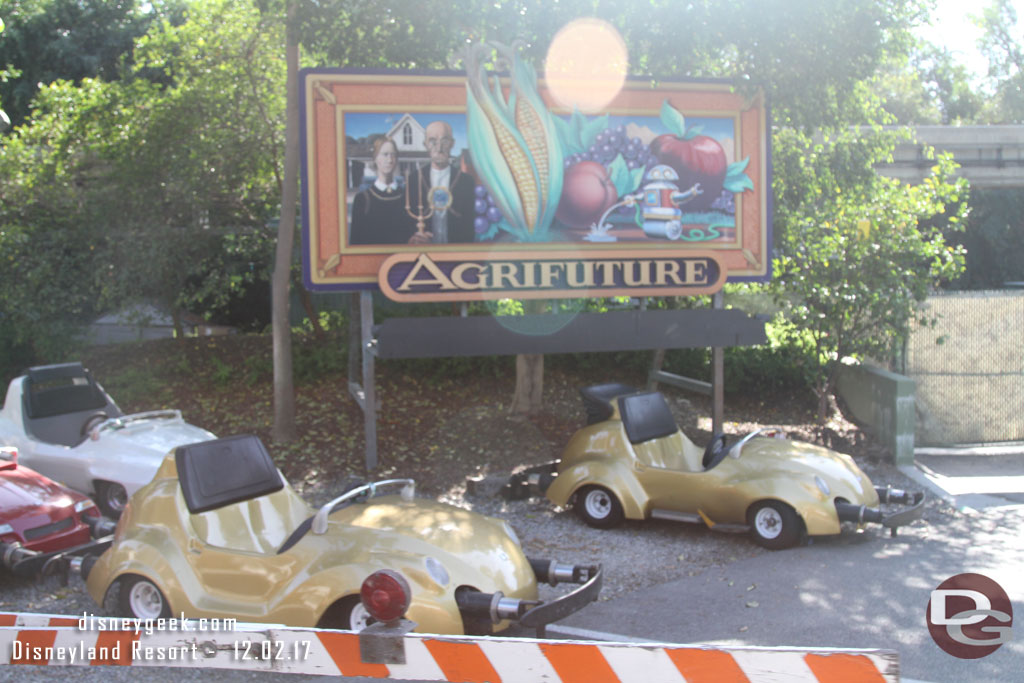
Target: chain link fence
[(969, 369)]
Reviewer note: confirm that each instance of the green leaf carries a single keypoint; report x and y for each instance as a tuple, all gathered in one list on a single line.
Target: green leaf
[(738, 184), (692, 132), (620, 175), (672, 119), (736, 168)]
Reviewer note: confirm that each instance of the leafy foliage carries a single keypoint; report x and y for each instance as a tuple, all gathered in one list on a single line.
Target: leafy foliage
[(1002, 47), (994, 239), (858, 253), (138, 189), (51, 40)]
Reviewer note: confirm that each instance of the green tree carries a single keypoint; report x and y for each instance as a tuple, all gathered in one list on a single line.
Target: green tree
[(858, 253), (50, 40), (927, 86), (163, 191), (1001, 45)]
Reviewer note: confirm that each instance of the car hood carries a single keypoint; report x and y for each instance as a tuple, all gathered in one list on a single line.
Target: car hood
[(149, 438), (767, 457), (23, 491), (460, 538)]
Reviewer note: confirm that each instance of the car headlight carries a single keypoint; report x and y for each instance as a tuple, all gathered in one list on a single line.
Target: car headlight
[(6, 529), (437, 571), (822, 484), (83, 505), (511, 533)]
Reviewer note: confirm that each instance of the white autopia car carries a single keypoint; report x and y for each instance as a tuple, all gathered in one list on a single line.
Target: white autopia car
[(68, 428)]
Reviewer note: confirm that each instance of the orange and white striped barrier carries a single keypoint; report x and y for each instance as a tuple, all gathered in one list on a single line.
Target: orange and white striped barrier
[(57, 640)]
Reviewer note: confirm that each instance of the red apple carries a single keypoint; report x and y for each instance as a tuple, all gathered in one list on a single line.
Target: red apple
[(698, 160), (587, 192)]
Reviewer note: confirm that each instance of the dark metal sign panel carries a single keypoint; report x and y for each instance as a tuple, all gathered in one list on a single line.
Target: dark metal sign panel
[(557, 333)]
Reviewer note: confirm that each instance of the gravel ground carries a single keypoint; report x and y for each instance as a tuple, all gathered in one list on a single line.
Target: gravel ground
[(634, 555)]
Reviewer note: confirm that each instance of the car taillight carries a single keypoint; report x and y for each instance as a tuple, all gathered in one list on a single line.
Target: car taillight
[(385, 595)]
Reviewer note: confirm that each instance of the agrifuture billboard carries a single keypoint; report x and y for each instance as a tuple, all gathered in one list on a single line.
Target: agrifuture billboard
[(450, 186)]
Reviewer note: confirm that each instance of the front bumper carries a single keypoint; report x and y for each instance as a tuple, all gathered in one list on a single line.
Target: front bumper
[(24, 562), (480, 611), (914, 502)]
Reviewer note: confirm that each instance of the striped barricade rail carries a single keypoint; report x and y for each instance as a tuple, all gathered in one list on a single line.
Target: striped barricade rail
[(27, 639)]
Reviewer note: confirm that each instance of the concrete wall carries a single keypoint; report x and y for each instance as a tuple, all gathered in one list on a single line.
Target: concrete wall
[(883, 402), (989, 156)]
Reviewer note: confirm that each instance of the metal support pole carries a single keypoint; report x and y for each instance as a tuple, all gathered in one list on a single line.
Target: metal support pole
[(717, 376), (369, 346)]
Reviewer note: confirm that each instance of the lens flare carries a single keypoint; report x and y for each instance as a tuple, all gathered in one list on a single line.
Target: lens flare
[(586, 65)]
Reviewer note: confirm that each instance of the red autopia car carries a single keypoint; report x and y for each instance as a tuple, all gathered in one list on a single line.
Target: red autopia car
[(41, 520)]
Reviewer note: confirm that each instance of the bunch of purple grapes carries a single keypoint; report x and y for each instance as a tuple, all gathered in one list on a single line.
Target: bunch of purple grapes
[(610, 143), (487, 213)]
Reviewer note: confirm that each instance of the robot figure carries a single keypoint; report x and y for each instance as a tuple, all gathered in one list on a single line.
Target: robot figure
[(659, 201)]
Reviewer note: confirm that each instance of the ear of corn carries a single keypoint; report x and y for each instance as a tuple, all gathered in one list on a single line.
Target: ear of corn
[(514, 145)]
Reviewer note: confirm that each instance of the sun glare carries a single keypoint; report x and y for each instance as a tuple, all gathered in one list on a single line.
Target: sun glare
[(586, 65)]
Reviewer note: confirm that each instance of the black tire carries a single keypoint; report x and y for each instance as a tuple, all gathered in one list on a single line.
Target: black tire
[(715, 451), (139, 598), (111, 498), (774, 525), (347, 614), (598, 507)]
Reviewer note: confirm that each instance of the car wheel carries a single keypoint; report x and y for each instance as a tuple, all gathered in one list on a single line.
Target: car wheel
[(774, 525), (346, 615), (598, 507), (111, 498), (141, 599)]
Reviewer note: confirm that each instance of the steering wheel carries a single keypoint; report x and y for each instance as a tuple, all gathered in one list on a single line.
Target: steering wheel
[(715, 451), (92, 421)]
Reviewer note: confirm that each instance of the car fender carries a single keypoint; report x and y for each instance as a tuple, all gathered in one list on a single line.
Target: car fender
[(601, 470), (817, 510), (143, 559), (432, 611)]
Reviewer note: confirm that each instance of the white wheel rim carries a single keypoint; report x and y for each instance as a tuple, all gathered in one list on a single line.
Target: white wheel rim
[(598, 504), (359, 618), (145, 600), (768, 522)]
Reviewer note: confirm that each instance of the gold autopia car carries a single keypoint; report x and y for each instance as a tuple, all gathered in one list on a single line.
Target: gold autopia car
[(632, 461), (219, 533)]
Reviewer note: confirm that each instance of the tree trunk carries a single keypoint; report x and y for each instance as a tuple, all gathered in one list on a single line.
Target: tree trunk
[(284, 390), (529, 394), (657, 362)]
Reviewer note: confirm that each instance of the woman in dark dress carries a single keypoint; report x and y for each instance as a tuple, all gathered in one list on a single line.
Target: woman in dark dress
[(378, 212)]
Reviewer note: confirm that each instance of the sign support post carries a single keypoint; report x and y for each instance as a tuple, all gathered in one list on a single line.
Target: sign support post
[(717, 375)]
